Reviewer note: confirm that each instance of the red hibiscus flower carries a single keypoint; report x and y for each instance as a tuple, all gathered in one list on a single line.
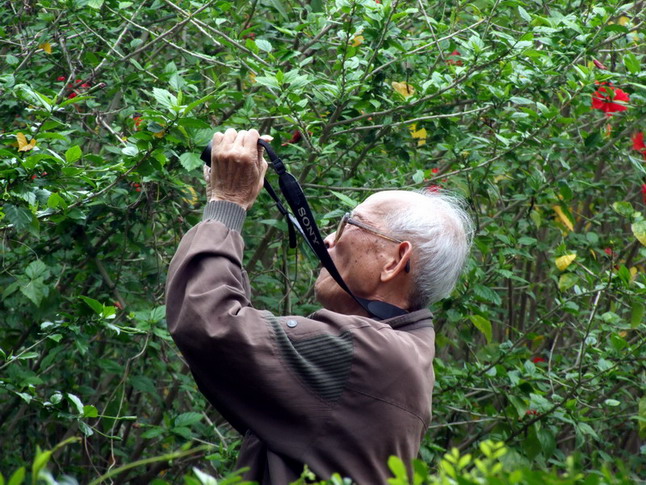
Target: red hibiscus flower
[(609, 99), (638, 143)]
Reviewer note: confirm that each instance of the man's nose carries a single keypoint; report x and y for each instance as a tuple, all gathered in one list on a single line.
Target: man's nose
[(329, 240)]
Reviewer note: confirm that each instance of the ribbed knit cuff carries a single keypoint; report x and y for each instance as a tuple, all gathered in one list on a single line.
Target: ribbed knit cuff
[(228, 213)]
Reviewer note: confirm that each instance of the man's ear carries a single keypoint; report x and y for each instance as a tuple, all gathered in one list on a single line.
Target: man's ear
[(398, 263)]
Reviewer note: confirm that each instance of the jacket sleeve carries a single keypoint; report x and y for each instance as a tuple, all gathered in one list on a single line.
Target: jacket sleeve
[(235, 351)]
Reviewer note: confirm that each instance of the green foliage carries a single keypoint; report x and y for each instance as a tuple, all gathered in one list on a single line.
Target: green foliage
[(105, 108)]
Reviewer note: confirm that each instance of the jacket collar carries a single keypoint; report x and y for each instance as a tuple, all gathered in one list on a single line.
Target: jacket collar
[(412, 320)]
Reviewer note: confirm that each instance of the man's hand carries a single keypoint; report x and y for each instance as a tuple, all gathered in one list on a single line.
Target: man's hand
[(237, 167)]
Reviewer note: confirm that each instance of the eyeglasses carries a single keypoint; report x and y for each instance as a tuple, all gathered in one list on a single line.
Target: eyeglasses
[(349, 220)]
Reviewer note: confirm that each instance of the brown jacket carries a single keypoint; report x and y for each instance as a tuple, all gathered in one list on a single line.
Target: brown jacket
[(340, 393)]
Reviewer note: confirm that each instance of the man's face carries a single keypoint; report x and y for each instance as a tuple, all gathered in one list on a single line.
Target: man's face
[(358, 255)]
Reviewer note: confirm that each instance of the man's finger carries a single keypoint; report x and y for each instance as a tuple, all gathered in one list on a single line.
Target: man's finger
[(241, 138), (229, 136)]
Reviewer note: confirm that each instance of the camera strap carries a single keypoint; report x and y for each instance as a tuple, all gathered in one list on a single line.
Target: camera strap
[(303, 220)]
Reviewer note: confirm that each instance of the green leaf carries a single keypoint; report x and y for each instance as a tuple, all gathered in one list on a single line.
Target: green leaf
[(278, 5), (487, 294), (55, 200), (345, 199), (20, 217), (85, 428), (35, 290), (482, 324), (36, 269), (520, 100), (90, 411), (76, 401), (93, 304), (96, 4), (73, 154), (18, 476), (264, 45), (165, 98), (12, 60), (187, 419), (523, 13), (191, 106), (623, 208), (639, 230), (632, 63), (190, 161), (398, 468), (153, 432), (130, 150), (42, 458)]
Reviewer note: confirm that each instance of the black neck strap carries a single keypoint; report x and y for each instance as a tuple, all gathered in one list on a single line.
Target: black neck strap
[(303, 220)]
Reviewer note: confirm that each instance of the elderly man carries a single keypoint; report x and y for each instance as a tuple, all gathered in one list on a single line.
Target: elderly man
[(337, 391)]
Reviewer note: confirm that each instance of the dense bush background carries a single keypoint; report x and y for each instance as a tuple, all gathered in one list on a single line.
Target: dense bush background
[(106, 104)]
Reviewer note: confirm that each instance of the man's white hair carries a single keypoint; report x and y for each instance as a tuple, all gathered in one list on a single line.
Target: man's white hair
[(441, 232)]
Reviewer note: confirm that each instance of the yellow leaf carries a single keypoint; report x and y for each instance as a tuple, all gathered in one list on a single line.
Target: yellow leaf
[(639, 230), (564, 261), (357, 40), (623, 20), (404, 89), (46, 46), (23, 146), (191, 196), (252, 78), (563, 218), (159, 134), (419, 134)]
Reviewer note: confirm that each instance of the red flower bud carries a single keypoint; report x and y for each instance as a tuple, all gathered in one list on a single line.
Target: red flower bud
[(608, 251), (61, 78), (296, 137), (599, 65), (455, 62), (536, 360), (72, 95)]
